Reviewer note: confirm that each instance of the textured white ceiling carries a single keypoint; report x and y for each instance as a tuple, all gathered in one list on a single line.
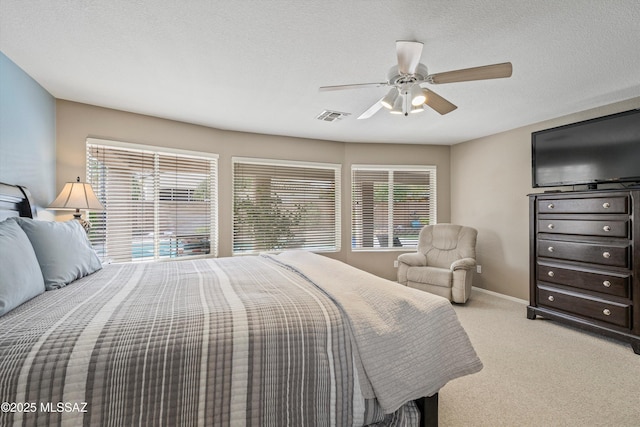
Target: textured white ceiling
[(256, 66)]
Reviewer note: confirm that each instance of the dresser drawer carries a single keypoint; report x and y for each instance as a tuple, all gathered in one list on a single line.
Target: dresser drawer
[(607, 311), (618, 205), (589, 228), (612, 255), (617, 285)]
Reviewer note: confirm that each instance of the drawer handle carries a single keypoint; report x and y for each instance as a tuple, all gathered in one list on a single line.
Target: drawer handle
[(551, 298), (606, 312), (606, 255), (550, 248), (550, 206), (606, 228), (551, 274), (606, 284), (606, 205), (550, 226)]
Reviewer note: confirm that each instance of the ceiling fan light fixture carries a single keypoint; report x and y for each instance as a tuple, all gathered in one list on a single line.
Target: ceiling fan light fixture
[(390, 98), (397, 105), (416, 109), (417, 95)]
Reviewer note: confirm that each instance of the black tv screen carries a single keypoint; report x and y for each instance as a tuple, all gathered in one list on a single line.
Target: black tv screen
[(602, 150)]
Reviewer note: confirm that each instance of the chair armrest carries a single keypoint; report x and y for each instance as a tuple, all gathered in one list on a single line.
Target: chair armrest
[(415, 259), (463, 264)]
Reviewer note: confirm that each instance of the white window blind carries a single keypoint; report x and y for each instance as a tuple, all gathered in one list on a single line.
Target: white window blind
[(390, 204), (284, 205), (160, 203)]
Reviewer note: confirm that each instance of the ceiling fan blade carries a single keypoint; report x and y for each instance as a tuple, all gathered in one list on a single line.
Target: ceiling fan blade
[(495, 71), (352, 86), (438, 103), (409, 54), (372, 110)]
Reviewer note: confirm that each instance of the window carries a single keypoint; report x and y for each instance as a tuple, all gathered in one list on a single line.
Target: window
[(390, 204), (160, 203), (285, 205)]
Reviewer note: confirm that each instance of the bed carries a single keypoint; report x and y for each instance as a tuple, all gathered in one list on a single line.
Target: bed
[(293, 339)]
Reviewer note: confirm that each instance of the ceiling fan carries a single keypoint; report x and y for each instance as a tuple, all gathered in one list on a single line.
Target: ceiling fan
[(407, 93)]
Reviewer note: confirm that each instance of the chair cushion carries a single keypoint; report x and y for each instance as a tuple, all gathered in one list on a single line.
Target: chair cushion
[(443, 244), (432, 275)]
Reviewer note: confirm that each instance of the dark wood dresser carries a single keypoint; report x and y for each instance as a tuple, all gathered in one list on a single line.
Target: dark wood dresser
[(585, 261)]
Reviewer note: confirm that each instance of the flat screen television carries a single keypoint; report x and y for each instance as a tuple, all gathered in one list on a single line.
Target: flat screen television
[(601, 150)]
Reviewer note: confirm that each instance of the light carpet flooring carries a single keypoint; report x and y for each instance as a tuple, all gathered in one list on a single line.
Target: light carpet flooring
[(539, 372)]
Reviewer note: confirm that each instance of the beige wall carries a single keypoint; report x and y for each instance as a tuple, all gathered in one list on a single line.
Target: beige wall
[(482, 183), (490, 180), (76, 122)]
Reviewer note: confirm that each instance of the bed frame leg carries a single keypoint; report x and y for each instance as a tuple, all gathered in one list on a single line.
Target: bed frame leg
[(428, 407)]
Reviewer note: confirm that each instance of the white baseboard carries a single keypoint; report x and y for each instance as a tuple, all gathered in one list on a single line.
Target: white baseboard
[(521, 301)]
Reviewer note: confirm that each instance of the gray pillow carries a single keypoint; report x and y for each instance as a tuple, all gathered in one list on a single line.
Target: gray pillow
[(63, 250), (20, 275)]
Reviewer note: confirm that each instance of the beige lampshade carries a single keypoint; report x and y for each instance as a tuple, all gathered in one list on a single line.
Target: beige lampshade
[(77, 195)]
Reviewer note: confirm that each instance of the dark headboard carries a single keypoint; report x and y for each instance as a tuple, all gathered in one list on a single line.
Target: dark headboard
[(15, 201)]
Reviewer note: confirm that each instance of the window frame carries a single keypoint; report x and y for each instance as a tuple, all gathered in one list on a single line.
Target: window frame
[(337, 172), (157, 151), (432, 170)]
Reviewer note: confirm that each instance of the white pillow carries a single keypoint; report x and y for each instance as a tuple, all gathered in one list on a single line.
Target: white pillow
[(20, 275), (63, 250)]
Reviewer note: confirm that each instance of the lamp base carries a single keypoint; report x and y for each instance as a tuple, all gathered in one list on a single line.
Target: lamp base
[(83, 222)]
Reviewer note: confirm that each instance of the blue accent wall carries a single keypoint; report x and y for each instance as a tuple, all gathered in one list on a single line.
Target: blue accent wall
[(27, 133)]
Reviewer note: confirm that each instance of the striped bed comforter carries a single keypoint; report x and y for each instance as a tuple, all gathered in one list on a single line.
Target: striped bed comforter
[(226, 342)]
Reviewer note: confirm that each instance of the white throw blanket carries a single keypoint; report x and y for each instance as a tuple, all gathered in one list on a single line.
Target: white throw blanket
[(401, 363)]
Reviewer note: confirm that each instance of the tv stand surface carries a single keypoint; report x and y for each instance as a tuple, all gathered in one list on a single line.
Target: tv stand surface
[(585, 261), (593, 188)]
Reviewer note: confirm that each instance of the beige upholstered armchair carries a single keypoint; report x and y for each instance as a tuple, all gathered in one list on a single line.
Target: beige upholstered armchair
[(444, 263)]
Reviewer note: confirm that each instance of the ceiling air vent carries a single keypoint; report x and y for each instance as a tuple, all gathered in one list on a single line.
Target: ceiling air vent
[(331, 116)]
